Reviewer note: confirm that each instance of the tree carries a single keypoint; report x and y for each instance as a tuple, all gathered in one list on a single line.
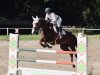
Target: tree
[(91, 13), (73, 12)]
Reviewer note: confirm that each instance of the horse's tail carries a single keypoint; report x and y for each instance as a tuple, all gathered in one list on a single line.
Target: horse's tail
[(75, 41)]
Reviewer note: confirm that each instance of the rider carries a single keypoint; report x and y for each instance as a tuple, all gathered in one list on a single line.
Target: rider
[(55, 19)]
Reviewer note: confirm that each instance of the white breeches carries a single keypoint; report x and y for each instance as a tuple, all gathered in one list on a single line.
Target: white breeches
[(59, 22)]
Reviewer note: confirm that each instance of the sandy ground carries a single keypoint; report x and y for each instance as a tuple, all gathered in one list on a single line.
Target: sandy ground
[(93, 57)]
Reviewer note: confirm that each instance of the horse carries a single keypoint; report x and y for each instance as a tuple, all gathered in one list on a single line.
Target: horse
[(68, 42)]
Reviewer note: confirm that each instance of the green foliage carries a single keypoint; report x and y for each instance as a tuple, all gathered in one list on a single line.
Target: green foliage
[(22, 37), (29, 37), (37, 37), (3, 37), (91, 13)]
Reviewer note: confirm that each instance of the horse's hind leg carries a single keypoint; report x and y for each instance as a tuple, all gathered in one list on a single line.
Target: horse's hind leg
[(72, 59), (41, 42), (76, 56), (65, 48), (73, 49)]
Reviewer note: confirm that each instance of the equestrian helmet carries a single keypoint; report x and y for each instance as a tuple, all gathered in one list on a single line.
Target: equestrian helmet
[(47, 10)]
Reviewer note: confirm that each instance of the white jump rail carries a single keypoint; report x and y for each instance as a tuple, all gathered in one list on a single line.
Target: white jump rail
[(13, 69)]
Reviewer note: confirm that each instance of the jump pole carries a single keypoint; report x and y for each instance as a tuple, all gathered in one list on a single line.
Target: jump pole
[(81, 59)]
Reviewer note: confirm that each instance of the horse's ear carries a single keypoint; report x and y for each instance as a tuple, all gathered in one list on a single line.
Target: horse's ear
[(33, 18), (36, 16)]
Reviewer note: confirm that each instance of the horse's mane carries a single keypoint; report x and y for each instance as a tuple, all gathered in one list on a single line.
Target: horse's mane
[(46, 22)]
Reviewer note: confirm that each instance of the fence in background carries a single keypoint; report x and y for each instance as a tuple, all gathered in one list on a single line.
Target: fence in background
[(64, 27)]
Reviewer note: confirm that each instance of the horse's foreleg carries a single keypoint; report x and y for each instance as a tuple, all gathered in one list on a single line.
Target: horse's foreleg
[(41, 43), (46, 43)]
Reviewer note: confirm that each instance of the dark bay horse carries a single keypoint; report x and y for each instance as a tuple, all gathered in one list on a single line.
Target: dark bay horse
[(68, 42)]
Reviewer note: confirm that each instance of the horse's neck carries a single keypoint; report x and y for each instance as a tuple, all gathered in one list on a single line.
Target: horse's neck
[(50, 34), (46, 30)]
